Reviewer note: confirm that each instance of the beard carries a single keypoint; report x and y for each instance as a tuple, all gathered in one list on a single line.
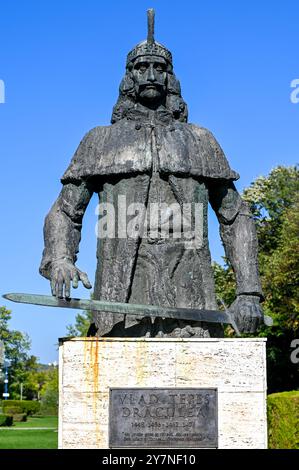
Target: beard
[(151, 93)]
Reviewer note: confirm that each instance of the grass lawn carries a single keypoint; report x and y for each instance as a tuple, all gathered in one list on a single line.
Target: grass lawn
[(38, 422), (28, 439), (18, 438)]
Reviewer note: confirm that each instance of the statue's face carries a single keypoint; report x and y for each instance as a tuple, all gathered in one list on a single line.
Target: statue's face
[(150, 76)]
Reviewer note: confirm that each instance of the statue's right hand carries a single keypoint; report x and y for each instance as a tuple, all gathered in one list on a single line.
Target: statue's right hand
[(63, 272)]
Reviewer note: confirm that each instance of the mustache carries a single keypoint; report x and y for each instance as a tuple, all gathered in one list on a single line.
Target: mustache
[(144, 85)]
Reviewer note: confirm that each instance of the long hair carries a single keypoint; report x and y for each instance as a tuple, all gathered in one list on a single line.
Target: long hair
[(127, 98)]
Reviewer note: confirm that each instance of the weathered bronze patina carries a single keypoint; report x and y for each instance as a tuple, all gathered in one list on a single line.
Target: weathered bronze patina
[(150, 155)]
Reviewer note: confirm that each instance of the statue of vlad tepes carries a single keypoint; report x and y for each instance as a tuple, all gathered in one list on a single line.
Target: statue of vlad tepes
[(152, 157)]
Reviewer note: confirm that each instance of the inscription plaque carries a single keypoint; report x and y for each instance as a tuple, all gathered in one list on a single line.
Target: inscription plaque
[(163, 417)]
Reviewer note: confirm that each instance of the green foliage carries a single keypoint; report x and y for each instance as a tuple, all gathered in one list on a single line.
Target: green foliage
[(30, 407), (274, 201), (39, 421), (23, 369), (16, 344), (12, 410), (269, 198), (225, 285), (283, 420), (49, 394), (281, 271), (24, 439), (25, 375), (13, 407), (6, 420), (32, 377), (82, 323), (81, 326)]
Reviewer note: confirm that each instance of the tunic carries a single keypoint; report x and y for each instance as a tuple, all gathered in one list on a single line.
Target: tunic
[(150, 159)]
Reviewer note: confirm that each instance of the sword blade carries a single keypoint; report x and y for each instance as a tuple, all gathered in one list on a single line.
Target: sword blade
[(210, 316)]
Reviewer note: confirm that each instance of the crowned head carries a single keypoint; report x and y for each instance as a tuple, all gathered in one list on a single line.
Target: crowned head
[(149, 79)]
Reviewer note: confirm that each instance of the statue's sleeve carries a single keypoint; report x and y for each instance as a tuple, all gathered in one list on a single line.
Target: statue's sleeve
[(62, 228), (238, 234)]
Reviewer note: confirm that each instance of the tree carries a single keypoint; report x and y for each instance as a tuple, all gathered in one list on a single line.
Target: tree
[(269, 198), (81, 326), (32, 376), (24, 370), (49, 393), (16, 346), (274, 201)]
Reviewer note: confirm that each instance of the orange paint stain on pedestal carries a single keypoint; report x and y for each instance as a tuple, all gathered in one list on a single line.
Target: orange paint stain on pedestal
[(91, 367)]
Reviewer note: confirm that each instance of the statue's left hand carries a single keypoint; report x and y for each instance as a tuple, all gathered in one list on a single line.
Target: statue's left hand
[(247, 313)]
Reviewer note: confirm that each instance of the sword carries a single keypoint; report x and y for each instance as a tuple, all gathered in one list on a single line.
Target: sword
[(193, 314)]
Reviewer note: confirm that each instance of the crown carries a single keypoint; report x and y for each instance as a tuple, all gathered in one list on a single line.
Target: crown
[(149, 46)]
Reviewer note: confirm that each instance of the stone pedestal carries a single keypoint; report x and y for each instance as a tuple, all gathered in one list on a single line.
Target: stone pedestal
[(90, 367)]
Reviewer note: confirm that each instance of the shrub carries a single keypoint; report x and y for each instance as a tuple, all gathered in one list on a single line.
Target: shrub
[(49, 395), (19, 418), (28, 407), (283, 420), (11, 407), (47, 410), (31, 407), (12, 410), (6, 420)]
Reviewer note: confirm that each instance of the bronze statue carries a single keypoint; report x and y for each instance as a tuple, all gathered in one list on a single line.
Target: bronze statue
[(151, 156)]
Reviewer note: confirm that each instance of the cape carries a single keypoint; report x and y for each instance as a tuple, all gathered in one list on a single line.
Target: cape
[(126, 147)]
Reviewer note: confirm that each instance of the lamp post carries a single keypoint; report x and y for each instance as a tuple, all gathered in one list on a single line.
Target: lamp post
[(5, 394), (4, 361)]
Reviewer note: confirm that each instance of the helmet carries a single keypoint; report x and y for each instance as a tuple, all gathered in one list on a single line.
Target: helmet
[(149, 46)]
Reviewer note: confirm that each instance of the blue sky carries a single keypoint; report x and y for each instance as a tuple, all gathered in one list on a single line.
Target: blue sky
[(62, 61)]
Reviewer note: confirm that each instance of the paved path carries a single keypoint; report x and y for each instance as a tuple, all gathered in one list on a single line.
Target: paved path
[(5, 428)]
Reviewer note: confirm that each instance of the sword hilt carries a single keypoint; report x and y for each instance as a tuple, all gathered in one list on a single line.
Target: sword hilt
[(232, 319), (268, 321)]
